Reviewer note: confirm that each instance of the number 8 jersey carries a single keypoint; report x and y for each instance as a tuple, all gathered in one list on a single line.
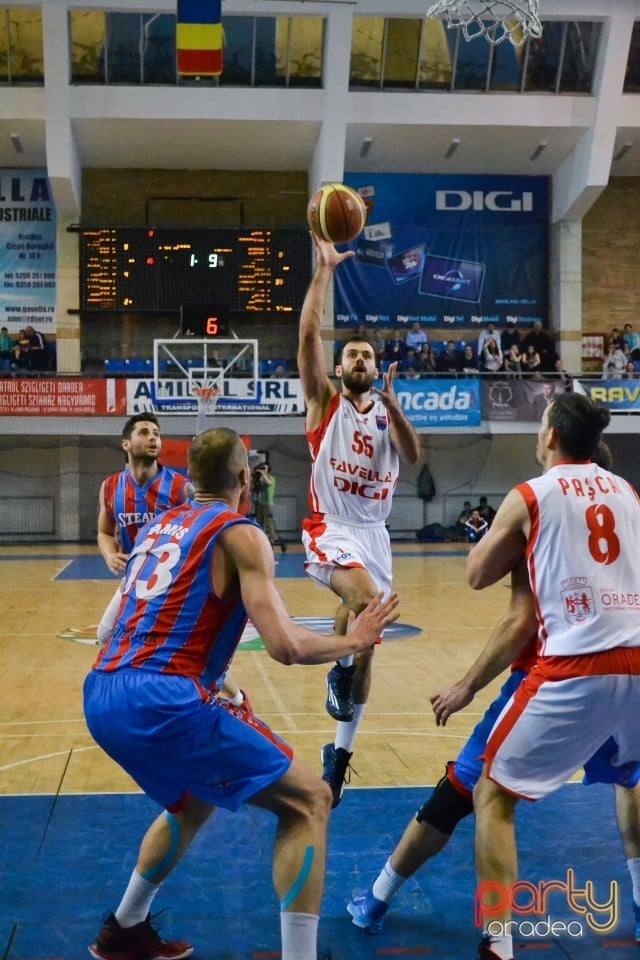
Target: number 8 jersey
[(583, 561)]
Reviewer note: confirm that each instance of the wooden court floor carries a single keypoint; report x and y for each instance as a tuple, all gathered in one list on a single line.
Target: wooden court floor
[(46, 748)]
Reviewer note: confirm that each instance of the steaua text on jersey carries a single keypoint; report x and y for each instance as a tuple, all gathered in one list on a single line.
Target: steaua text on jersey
[(355, 466), (130, 506), (170, 620)]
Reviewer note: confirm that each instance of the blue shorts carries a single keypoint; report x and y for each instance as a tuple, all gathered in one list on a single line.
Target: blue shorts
[(467, 767), (171, 741)]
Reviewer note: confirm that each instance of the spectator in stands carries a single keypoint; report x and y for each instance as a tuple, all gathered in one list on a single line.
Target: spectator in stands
[(475, 527), (279, 372), (543, 346), (379, 344), (510, 336), (486, 510), (21, 351), (411, 364), (559, 373), (631, 340), (492, 359), (530, 360), (490, 333), (631, 373), (513, 360), (449, 360), (615, 355), (609, 372), (426, 360), (416, 337), (469, 361), (542, 400), (395, 349), (38, 351), (461, 522), (6, 350)]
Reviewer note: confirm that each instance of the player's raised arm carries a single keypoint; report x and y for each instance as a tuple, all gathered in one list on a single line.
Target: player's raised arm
[(312, 365)]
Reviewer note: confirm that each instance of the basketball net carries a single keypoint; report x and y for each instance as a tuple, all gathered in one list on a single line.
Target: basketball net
[(207, 399), (495, 20)]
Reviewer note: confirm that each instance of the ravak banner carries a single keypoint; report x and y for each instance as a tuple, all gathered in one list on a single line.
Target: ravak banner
[(457, 250), (440, 402), (617, 395)]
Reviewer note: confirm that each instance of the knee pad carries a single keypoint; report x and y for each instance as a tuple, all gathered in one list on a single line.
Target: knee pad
[(445, 808)]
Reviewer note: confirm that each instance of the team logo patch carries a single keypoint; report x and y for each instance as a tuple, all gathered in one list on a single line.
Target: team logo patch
[(577, 600), (343, 558), (381, 422), (251, 639)]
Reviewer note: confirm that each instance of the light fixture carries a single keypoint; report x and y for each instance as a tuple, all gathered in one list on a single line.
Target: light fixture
[(16, 140), (619, 154), (451, 149), (367, 143), (542, 146)]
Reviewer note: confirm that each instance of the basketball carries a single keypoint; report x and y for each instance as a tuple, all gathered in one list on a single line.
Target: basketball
[(336, 213)]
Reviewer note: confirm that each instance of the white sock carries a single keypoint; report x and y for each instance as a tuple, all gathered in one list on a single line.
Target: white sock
[(238, 699), (136, 902), (109, 617), (346, 661), (299, 932), (634, 870), (346, 732), (387, 883), (502, 947)]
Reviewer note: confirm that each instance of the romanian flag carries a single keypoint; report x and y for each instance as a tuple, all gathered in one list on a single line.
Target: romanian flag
[(199, 38)]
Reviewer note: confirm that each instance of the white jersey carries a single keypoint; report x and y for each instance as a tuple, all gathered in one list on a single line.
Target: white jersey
[(355, 466), (583, 559)]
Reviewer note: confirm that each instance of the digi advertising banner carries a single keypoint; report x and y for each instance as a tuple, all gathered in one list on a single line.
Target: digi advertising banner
[(27, 251), (447, 250)]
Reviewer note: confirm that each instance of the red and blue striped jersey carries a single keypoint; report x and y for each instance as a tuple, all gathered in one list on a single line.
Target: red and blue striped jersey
[(170, 620), (130, 506)]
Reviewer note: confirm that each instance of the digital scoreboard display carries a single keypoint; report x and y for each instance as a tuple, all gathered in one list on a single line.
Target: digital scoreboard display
[(159, 269)]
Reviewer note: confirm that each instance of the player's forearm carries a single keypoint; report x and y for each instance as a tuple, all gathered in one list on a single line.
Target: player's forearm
[(313, 305), (506, 642), (107, 545), (405, 439)]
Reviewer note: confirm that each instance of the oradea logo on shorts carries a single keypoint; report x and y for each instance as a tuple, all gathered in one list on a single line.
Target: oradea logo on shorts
[(536, 901)]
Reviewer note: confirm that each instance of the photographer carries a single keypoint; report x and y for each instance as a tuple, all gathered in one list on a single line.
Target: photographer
[(263, 496)]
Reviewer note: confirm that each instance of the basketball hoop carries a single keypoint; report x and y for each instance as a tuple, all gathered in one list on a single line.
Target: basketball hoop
[(495, 20), (207, 399)]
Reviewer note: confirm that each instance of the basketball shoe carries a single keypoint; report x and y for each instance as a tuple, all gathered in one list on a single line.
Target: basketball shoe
[(335, 764), (367, 911), (339, 703), (139, 942)]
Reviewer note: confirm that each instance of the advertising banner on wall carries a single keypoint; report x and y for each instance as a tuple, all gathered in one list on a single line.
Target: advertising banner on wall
[(272, 397), (447, 250), (27, 251), (619, 396), (513, 399), (72, 397), (440, 402)]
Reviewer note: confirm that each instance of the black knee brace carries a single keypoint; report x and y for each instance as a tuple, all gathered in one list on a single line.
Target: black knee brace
[(445, 808)]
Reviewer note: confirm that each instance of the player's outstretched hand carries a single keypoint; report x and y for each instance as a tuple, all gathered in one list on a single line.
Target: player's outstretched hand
[(449, 700), (117, 563), (326, 253), (377, 615), (387, 393)]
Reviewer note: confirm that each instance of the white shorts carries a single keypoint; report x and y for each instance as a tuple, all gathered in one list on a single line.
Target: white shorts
[(334, 543), (549, 729)]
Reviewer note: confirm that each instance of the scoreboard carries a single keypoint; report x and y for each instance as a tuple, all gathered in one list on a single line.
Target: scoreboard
[(252, 269)]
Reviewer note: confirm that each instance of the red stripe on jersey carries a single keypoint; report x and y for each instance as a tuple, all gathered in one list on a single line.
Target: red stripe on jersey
[(315, 526), (619, 660), (314, 439), (525, 692)]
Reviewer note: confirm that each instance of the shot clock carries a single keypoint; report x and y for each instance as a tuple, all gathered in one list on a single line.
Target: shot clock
[(203, 320), (160, 269)]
